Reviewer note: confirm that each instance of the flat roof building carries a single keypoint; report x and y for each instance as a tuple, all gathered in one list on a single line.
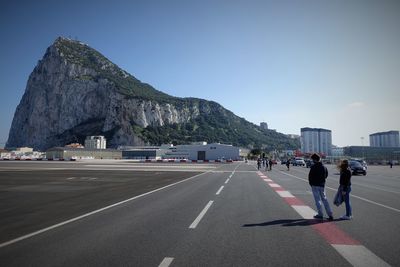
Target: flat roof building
[(196, 151), (316, 140), (82, 153), (384, 139)]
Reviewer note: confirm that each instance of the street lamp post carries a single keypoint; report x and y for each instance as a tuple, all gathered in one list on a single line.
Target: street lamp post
[(362, 144)]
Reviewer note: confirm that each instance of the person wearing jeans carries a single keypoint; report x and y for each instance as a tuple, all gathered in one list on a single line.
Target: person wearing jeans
[(316, 178), (345, 183)]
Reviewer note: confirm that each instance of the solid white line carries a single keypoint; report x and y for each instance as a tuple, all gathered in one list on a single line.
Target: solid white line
[(359, 255), (201, 215), (166, 262), (227, 180), (304, 211), (335, 189), (219, 191), (93, 212), (284, 193)]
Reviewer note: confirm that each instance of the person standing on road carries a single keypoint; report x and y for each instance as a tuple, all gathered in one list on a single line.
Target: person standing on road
[(345, 177), (316, 178), (288, 164), (270, 164), (391, 164), (266, 164), (258, 163)]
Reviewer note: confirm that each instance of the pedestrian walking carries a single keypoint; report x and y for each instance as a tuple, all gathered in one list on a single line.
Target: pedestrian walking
[(316, 178), (391, 164), (270, 164), (259, 164), (288, 164), (345, 183), (266, 164)]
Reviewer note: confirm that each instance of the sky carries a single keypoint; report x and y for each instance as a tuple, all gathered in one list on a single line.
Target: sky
[(293, 64)]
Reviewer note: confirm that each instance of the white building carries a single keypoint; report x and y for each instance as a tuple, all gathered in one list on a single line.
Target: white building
[(316, 140), (384, 139), (203, 151), (97, 142), (196, 151)]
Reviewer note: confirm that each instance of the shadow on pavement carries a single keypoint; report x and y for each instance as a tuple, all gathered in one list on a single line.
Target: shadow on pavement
[(295, 222)]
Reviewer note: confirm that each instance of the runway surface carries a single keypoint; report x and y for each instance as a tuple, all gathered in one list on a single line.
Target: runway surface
[(112, 213)]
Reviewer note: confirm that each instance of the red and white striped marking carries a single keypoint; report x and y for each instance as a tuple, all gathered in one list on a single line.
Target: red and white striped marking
[(350, 249)]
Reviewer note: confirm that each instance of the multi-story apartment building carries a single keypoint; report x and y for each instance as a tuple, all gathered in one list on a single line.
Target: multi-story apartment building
[(384, 139), (316, 140)]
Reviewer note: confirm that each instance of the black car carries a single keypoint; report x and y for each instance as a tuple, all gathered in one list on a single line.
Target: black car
[(309, 163), (357, 168)]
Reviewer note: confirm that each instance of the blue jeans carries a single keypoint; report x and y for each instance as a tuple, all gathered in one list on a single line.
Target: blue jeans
[(347, 201), (319, 196)]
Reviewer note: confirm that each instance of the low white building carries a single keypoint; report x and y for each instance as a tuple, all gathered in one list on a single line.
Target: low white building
[(203, 151), (197, 151), (95, 142)]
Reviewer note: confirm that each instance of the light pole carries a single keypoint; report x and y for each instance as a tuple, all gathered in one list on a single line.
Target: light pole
[(362, 144)]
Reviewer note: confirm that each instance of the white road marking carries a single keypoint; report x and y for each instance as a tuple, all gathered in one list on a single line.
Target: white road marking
[(92, 213), (201, 215), (274, 185), (359, 255), (268, 180), (227, 180), (166, 262), (335, 189), (219, 191), (284, 193), (304, 211)]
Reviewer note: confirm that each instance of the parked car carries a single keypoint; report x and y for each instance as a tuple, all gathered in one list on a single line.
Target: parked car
[(299, 162), (357, 168)]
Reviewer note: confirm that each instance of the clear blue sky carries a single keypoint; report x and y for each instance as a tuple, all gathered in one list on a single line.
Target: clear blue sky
[(292, 64)]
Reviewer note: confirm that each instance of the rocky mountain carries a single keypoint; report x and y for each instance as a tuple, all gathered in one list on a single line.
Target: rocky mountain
[(74, 91)]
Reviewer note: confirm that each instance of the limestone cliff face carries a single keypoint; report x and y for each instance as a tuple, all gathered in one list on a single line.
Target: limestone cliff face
[(74, 91)]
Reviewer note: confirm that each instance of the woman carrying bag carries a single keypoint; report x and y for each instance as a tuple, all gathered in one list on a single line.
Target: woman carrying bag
[(345, 186)]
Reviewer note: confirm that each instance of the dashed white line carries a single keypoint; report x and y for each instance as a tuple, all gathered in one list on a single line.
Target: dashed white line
[(219, 191), (201, 215), (284, 193), (274, 185), (227, 180), (359, 255), (304, 211), (166, 262), (91, 213)]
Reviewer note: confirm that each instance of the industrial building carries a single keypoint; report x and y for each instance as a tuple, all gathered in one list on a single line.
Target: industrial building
[(384, 139), (82, 153), (316, 140), (196, 151), (373, 155)]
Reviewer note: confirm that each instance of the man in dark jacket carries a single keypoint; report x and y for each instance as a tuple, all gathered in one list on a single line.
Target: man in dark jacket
[(316, 178)]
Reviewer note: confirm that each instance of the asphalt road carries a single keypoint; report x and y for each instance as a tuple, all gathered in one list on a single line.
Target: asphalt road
[(60, 214)]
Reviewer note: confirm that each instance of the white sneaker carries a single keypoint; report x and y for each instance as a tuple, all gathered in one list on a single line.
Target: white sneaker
[(345, 217)]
